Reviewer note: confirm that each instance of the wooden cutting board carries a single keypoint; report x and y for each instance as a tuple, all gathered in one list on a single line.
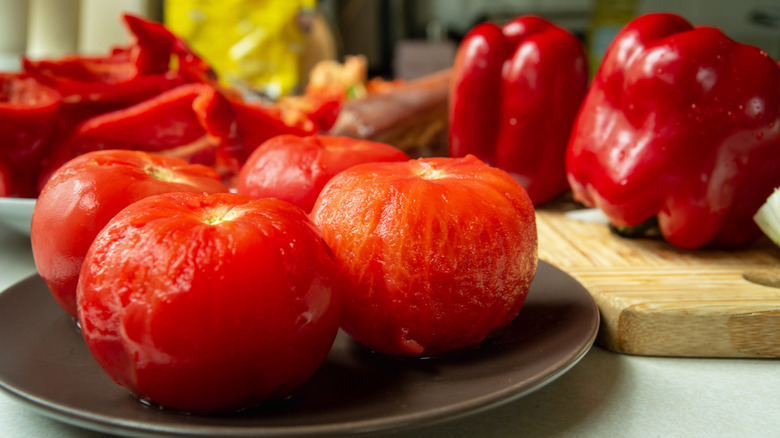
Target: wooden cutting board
[(658, 300)]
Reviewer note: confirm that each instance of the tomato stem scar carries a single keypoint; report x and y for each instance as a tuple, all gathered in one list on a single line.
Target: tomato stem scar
[(430, 172), (162, 173), (219, 215)]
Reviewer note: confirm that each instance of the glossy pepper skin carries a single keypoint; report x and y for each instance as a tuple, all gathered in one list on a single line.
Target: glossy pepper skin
[(193, 122), (27, 114), (681, 123), (514, 96), (125, 76)]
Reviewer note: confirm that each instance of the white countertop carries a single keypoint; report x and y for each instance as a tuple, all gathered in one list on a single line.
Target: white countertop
[(605, 395)]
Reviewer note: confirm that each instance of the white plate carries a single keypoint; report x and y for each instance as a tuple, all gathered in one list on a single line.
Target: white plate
[(16, 213)]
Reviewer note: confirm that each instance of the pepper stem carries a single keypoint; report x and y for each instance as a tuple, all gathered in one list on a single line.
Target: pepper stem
[(649, 228)]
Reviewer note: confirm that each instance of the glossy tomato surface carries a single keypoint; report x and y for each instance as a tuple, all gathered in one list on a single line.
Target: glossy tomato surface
[(295, 169), (85, 193), (438, 253), (209, 303)]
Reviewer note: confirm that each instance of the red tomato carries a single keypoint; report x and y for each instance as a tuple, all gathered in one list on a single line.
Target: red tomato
[(209, 303), (439, 252), (295, 169), (85, 193)]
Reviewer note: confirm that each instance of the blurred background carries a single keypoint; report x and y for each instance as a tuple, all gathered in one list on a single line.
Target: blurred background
[(398, 38)]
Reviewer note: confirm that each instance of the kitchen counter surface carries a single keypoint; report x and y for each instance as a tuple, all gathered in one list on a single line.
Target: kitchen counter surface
[(605, 394)]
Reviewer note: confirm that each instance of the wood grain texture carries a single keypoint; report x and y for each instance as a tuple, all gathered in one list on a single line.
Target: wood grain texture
[(656, 299)]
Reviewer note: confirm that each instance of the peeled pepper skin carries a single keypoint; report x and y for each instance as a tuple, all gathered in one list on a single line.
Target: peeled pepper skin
[(514, 96), (682, 123)]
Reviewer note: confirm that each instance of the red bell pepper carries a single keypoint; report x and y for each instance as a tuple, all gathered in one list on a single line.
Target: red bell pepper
[(515, 93), (294, 115), (27, 114), (154, 62), (6, 179), (683, 124), (154, 95), (152, 47), (156, 47), (258, 123), (193, 121)]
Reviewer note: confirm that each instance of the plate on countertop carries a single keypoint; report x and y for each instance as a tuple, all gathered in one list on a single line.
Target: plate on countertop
[(16, 213), (46, 364)]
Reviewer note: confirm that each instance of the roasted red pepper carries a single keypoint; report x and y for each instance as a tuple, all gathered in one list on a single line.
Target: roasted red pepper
[(681, 123), (6, 181), (154, 62), (257, 123), (154, 95), (514, 96), (192, 121), (127, 75), (27, 114)]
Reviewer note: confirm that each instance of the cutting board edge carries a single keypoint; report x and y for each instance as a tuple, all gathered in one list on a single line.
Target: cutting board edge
[(597, 259), (707, 335)]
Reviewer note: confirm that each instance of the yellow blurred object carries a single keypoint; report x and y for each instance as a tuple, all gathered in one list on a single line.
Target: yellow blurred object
[(255, 44)]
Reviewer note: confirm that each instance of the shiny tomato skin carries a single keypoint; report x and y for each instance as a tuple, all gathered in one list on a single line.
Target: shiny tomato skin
[(85, 193), (209, 304), (295, 168), (438, 253)]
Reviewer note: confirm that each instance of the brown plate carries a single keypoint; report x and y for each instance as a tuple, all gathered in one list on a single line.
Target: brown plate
[(46, 364)]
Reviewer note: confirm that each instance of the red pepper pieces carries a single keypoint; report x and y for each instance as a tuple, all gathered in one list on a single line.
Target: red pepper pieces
[(515, 93), (682, 123), (154, 95), (127, 75), (27, 114), (194, 122)]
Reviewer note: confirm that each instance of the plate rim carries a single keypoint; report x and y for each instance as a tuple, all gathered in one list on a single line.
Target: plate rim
[(17, 213), (107, 424)]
